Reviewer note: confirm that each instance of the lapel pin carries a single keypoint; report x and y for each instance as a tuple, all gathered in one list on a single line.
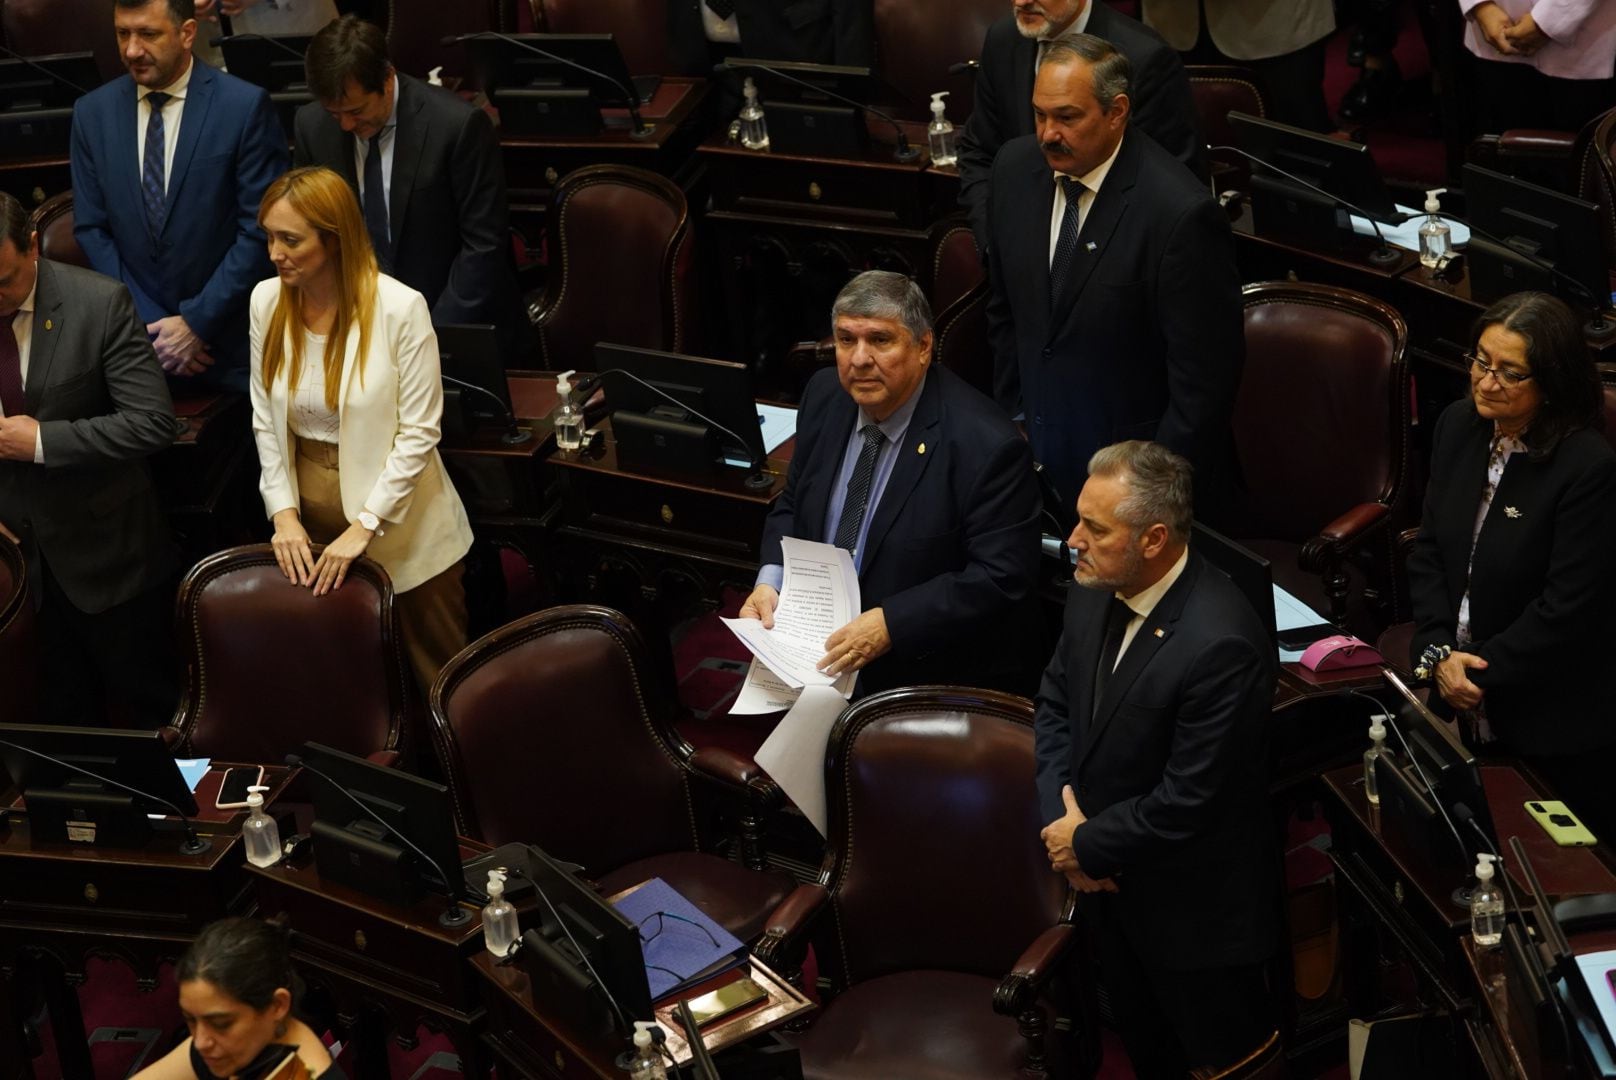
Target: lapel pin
[(1091, 246), (1160, 632), (921, 449), (49, 325), (1511, 512)]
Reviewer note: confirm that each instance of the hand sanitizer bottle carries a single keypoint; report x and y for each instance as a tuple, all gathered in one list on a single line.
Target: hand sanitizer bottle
[(500, 929), (754, 128), (260, 833), (646, 1063), (1377, 749), (1486, 905), (568, 419), (940, 133), (1434, 234)]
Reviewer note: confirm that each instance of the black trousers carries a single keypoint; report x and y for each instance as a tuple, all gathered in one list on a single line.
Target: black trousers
[(1294, 81), (1519, 96), (1172, 1021), (114, 667)]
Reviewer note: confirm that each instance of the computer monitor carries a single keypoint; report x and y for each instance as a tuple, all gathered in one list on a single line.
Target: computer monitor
[(46, 82), (272, 61), (1528, 237), (810, 120), (1251, 573), (352, 848), (681, 436), (1450, 769), (499, 64), (1345, 170), (65, 805)]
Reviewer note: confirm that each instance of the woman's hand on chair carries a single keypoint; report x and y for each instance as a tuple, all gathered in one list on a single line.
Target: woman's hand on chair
[(338, 555), (292, 552)]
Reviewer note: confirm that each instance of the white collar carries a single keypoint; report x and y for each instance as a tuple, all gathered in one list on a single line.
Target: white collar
[(175, 90), (1143, 602)]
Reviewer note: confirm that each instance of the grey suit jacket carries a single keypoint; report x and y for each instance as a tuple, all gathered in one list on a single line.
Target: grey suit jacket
[(96, 389)]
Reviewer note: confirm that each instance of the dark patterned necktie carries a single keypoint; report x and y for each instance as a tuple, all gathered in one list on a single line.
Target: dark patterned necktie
[(722, 8), (12, 400), (152, 189), (1117, 618), (858, 488), (376, 206), (1060, 267)]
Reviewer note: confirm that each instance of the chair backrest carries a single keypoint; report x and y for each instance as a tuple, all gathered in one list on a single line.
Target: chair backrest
[(416, 29), (53, 221), (640, 27), (1321, 422), (923, 778), (1596, 179), (959, 299), (19, 650), (916, 43), (45, 27), (553, 730), (1607, 382), (1217, 90), (270, 665), (618, 233)]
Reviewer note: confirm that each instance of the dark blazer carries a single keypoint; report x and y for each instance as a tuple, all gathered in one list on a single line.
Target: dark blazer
[(447, 210), (809, 31), (1542, 583), (1172, 769), (951, 556), (96, 389), (211, 251), (1147, 342), (1159, 97)]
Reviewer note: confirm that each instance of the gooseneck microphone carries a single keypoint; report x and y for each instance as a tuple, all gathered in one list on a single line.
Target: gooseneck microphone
[(631, 97), (1385, 255), (42, 69), (454, 915), (515, 434), (757, 480), (192, 845), (902, 152)]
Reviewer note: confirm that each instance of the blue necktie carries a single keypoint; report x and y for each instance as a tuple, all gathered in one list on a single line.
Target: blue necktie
[(1060, 267), (858, 488), (152, 189), (376, 206)]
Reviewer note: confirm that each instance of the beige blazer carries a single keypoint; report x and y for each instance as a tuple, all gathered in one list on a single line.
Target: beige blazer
[(1242, 29), (388, 441)]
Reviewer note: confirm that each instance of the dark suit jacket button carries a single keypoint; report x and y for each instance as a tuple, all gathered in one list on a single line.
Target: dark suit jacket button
[(1048, 353)]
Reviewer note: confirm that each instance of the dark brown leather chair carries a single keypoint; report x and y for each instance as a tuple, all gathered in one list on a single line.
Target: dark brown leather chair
[(1218, 90), (916, 43), (271, 666), (416, 29), (622, 266), (19, 650), (1321, 424), (53, 221), (639, 26), (942, 909), (960, 305), (1575, 162), (44, 27), (553, 730)]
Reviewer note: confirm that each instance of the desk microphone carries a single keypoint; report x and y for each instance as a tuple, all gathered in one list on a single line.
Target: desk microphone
[(42, 69), (972, 66), (758, 480), (454, 916), (1385, 255), (1600, 326), (639, 130), (193, 844), (902, 152), (515, 434)]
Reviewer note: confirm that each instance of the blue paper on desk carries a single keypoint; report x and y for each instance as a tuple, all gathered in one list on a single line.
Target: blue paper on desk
[(680, 955), (777, 423)]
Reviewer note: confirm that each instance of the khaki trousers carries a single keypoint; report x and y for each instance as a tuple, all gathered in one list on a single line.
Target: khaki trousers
[(431, 616)]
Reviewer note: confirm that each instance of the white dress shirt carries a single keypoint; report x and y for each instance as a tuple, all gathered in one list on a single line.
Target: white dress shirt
[(22, 328), (173, 112), (308, 414), (726, 31), (1091, 182), (1143, 602), (1080, 25), (362, 148)]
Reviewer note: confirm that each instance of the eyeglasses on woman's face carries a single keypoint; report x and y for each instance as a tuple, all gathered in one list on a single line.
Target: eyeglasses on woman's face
[(1508, 378)]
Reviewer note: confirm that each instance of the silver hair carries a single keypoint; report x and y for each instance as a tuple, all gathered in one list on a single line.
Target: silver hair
[(1160, 488), (883, 294), (1113, 74)]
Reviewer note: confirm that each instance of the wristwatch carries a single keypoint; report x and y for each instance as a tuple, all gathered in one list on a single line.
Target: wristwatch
[(370, 521)]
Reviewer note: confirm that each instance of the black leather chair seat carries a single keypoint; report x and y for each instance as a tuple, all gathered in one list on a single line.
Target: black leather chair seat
[(918, 1025), (738, 899)]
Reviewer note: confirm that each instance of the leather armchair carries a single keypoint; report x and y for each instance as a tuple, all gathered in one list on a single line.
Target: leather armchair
[(554, 730), (916, 43), (416, 29), (1321, 424), (19, 649), (922, 782), (1575, 162), (271, 666), (960, 305), (639, 26), (44, 27), (623, 235), (53, 221), (1217, 90)]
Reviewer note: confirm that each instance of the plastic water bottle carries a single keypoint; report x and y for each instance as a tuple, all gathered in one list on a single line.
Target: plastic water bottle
[(1486, 905), (260, 833), (500, 929), (647, 1062), (940, 133), (754, 127), (1377, 749), (1435, 235), (568, 420)]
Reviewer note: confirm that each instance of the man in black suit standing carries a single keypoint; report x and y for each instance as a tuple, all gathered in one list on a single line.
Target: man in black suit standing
[(427, 171), (703, 32), (931, 489), (1115, 306), (1151, 734), (1160, 98), (82, 405)]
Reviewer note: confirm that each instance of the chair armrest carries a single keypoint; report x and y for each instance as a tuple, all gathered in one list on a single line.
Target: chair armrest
[(387, 759), (1018, 990), (783, 941), (1341, 535), (728, 767), (172, 737), (1532, 142)]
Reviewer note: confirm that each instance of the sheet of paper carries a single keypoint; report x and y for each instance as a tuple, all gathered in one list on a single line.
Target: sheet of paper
[(1407, 235), (818, 596), (1290, 613), (763, 692), (778, 423), (794, 754), (1596, 968), (193, 769)]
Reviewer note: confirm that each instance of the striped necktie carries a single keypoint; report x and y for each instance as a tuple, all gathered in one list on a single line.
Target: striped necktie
[(858, 488), (153, 190), (1060, 267)]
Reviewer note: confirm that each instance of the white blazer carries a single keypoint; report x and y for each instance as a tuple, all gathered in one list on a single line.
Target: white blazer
[(388, 440), (1241, 29)]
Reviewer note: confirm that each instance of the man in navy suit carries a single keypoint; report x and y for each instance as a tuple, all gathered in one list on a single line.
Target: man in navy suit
[(1151, 736), (930, 488), (168, 167), (1115, 308)]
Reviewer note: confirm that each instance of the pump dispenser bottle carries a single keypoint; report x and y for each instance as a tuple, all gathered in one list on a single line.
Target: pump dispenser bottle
[(500, 929), (754, 128), (1377, 749), (940, 133), (1434, 234), (260, 833), (1486, 905), (569, 415), (646, 1064)]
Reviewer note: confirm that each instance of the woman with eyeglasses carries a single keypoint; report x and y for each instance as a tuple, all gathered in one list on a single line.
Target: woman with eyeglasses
[(1513, 574)]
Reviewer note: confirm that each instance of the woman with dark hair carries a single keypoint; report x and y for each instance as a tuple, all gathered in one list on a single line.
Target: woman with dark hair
[(1512, 574), (237, 990)]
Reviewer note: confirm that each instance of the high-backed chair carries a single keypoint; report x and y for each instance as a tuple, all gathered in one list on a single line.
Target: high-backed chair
[(1217, 90), (416, 29), (53, 221), (553, 730), (916, 43), (44, 27), (1322, 429), (270, 665), (937, 922), (621, 234), (639, 26), (960, 307), (19, 652)]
